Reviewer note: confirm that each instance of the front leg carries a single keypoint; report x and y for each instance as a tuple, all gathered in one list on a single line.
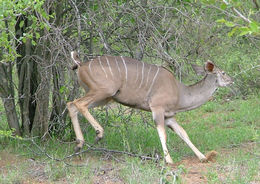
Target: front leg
[(171, 123), (158, 117)]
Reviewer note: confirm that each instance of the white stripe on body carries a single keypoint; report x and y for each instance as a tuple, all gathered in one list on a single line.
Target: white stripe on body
[(153, 80), (118, 67), (102, 66), (148, 75), (137, 73), (142, 76), (109, 66), (125, 69)]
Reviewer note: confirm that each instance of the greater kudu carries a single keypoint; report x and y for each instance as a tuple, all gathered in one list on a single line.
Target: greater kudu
[(143, 86)]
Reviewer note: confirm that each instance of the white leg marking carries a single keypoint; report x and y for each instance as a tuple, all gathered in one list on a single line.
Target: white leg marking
[(148, 75), (137, 73), (184, 136), (158, 68), (142, 76), (125, 69), (102, 66), (162, 135), (118, 67), (109, 66), (163, 141)]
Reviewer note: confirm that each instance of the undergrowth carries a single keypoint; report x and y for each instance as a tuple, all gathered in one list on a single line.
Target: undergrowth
[(215, 126)]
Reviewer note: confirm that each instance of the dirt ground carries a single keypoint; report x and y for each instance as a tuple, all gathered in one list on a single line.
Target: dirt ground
[(107, 174)]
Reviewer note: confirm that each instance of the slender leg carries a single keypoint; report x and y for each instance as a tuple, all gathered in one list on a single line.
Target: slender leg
[(171, 123), (82, 105), (73, 112), (158, 116)]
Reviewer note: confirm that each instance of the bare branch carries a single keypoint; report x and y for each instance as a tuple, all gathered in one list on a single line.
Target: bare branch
[(238, 13), (77, 14)]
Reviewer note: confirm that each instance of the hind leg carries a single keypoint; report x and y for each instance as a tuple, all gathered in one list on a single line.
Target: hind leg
[(73, 112), (82, 105)]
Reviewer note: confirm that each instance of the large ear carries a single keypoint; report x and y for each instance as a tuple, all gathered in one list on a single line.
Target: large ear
[(209, 66), (199, 70)]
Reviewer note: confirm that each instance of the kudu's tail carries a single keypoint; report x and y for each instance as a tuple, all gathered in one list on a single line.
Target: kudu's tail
[(76, 60)]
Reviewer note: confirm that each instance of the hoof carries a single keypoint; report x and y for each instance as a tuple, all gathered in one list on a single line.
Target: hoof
[(170, 164), (97, 139), (80, 144), (77, 149), (168, 160), (97, 132), (99, 136), (204, 160)]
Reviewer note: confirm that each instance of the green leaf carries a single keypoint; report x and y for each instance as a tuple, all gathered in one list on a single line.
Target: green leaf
[(94, 7), (24, 39), (229, 24), (221, 20), (244, 31), (233, 31), (223, 6), (62, 89), (253, 27), (132, 20), (37, 35), (33, 43), (21, 24)]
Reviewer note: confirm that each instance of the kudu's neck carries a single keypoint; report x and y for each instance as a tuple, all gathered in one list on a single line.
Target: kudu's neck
[(197, 94)]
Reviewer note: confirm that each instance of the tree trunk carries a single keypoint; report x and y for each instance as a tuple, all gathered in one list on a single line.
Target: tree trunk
[(27, 80), (7, 96), (26, 87), (58, 100), (41, 118)]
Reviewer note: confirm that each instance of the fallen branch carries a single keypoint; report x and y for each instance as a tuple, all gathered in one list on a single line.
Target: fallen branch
[(53, 158), (143, 157), (92, 148)]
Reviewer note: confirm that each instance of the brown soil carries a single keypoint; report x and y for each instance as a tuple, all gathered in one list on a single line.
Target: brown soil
[(196, 171), (108, 173), (35, 173)]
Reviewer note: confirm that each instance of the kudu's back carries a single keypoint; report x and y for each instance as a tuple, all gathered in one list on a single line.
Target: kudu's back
[(127, 81)]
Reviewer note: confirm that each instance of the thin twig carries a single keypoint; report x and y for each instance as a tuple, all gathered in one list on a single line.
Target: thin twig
[(244, 71), (238, 13)]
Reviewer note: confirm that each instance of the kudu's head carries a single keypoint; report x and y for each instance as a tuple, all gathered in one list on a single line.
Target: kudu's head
[(211, 69)]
